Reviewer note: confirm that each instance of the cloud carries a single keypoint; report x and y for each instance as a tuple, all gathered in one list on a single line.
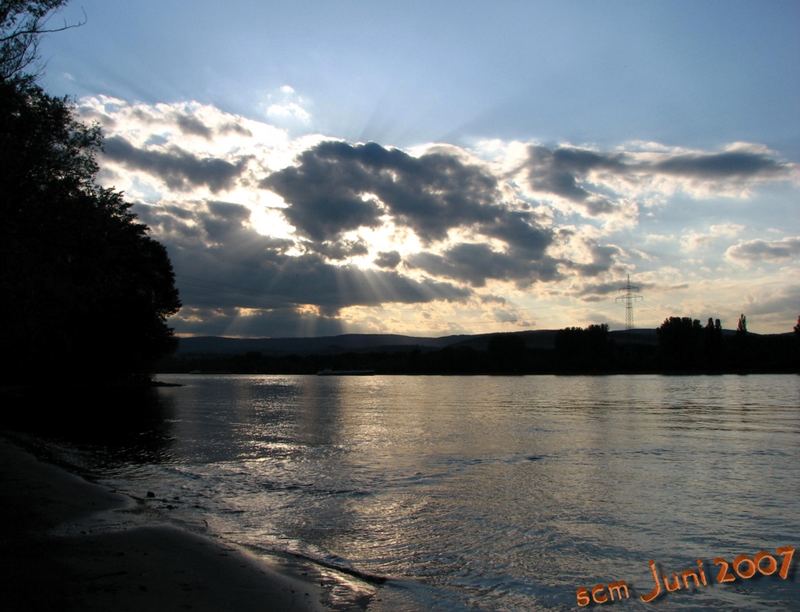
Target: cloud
[(240, 322), (234, 128), (785, 303), (598, 182), (715, 166), (336, 187), (339, 250), (609, 287), (324, 200), (387, 259), (202, 131), (266, 226), (505, 316), (562, 171), (603, 258), (476, 263), (193, 126), (776, 251), (693, 240), (596, 292), (285, 107), (288, 112), (521, 231), (179, 169), (221, 262)]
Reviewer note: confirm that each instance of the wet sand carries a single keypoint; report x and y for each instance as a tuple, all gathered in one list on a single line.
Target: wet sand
[(53, 558)]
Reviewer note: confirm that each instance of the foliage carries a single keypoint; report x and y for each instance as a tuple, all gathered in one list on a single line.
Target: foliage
[(86, 290), (585, 350), (680, 340), (22, 22)]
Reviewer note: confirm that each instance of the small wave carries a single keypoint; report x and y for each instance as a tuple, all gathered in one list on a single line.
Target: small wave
[(339, 566)]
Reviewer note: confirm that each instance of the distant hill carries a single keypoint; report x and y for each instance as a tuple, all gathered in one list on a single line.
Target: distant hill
[(324, 345), (570, 351), (389, 343)]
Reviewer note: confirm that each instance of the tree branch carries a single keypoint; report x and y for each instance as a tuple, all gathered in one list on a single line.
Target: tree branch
[(36, 30)]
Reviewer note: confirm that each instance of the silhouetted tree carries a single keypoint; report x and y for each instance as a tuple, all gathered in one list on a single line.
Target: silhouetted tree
[(712, 347), (680, 341), (741, 326), (22, 22), (85, 290), (583, 349), (796, 351)]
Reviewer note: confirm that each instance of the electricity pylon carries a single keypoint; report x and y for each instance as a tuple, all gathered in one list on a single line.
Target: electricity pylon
[(628, 298)]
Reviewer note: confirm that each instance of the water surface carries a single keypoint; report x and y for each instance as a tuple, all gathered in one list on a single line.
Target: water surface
[(484, 492)]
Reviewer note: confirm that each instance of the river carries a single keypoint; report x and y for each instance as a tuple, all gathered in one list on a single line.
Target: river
[(483, 492)]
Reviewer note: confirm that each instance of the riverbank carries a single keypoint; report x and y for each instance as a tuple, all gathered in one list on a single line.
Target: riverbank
[(55, 555)]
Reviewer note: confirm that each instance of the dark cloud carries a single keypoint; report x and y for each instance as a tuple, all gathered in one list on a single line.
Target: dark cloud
[(235, 128), (193, 126), (387, 259), (505, 316), (179, 169), (564, 171), (336, 187), (223, 222), (603, 258), (324, 196), (764, 250), (524, 261), (558, 170), (492, 299), (142, 116), (232, 322), (207, 225), (561, 171), (610, 287), (220, 261), (273, 280), (476, 263), (156, 140), (339, 250), (521, 232), (784, 303), (164, 223), (732, 164), (596, 292)]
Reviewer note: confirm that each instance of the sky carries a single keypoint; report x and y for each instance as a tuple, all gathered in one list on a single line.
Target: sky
[(432, 168)]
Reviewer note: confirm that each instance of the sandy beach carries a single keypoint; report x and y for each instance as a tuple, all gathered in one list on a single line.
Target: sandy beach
[(55, 556)]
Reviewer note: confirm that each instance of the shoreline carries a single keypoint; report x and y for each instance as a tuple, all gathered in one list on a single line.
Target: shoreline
[(70, 544)]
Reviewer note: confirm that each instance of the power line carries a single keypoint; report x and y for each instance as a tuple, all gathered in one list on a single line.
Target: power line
[(628, 298)]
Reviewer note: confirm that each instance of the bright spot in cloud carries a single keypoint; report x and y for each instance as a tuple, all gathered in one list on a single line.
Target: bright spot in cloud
[(286, 108)]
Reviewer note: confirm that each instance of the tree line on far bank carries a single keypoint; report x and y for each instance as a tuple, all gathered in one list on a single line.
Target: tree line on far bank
[(683, 346)]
